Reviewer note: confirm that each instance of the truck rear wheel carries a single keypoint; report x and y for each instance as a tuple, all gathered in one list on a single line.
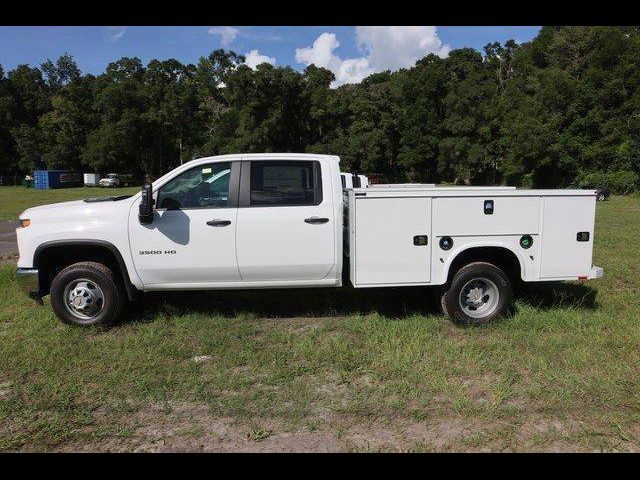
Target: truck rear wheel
[(86, 294), (479, 293)]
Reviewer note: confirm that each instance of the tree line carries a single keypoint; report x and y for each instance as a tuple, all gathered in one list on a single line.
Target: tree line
[(562, 108)]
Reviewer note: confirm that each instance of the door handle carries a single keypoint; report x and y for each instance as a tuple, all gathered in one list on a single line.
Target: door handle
[(219, 223), (316, 220)]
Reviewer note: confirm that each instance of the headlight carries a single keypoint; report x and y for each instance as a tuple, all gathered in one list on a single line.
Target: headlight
[(24, 222)]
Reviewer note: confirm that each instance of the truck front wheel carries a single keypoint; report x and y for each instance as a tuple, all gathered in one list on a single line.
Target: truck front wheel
[(479, 293), (86, 294)]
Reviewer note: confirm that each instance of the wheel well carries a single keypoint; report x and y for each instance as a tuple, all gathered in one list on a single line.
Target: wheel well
[(51, 259), (499, 256)]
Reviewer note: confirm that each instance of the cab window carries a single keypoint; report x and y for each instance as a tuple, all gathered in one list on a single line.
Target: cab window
[(285, 183), (205, 186)]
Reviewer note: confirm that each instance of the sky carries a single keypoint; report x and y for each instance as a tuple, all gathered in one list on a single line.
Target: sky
[(351, 53)]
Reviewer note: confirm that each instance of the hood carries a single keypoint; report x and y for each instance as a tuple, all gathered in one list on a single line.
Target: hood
[(77, 208), (45, 209)]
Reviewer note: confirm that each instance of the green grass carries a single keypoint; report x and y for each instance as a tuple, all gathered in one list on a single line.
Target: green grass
[(335, 369), (15, 200)]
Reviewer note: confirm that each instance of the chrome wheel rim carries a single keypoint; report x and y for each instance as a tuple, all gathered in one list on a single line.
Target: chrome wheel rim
[(84, 299), (479, 297)]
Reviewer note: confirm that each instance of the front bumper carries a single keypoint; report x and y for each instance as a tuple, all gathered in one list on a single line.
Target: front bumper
[(28, 281)]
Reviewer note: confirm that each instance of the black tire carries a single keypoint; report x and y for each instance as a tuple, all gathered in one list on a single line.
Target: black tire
[(478, 271), (601, 197), (112, 297)]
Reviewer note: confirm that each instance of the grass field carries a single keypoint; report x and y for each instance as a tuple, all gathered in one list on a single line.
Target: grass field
[(325, 370), (14, 200)]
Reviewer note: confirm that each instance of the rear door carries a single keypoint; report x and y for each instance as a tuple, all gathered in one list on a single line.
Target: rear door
[(286, 225)]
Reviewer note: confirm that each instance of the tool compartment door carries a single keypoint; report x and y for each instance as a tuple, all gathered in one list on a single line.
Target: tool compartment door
[(385, 241), (562, 255)]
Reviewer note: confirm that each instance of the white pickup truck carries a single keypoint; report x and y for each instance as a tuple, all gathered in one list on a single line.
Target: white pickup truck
[(284, 220)]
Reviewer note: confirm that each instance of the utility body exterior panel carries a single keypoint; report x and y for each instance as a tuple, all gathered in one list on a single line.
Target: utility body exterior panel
[(383, 248), (383, 224), (562, 255)]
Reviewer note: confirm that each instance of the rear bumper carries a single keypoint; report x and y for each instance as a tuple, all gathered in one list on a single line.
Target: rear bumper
[(596, 272), (27, 279)]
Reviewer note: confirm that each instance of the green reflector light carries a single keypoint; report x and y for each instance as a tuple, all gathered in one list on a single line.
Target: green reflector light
[(526, 241)]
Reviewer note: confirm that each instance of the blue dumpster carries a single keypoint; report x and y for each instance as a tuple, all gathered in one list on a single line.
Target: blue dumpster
[(45, 179)]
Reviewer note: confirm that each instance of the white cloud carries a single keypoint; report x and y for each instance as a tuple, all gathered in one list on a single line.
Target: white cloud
[(255, 58), (321, 55), (385, 48), (392, 48), (115, 33), (227, 34)]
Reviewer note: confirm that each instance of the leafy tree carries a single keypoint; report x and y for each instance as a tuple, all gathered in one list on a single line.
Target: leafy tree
[(121, 140), (547, 113), (7, 146), (468, 145), (60, 73), (422, 112), (30, 101), (65, 127)]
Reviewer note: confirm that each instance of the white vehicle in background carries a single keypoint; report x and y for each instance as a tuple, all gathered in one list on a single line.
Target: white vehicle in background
[(284, 221), (111, 180), (114, 180), (91, 179), (352, 180)]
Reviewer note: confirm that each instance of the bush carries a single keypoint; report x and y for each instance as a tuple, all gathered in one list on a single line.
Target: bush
[(620, 182)]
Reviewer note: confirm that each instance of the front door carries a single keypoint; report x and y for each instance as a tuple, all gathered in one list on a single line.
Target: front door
[(191, 241), (286, 225)]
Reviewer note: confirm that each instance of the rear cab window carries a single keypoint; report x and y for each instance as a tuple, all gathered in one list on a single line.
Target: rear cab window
[(285, 183)]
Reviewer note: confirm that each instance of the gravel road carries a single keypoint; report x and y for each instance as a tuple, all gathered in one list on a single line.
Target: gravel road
[(8, 241)]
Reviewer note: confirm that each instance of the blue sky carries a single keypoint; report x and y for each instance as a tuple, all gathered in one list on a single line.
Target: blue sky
[(351, 52)]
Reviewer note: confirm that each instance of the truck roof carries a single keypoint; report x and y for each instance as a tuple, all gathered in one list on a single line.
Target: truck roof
[(275, 156)]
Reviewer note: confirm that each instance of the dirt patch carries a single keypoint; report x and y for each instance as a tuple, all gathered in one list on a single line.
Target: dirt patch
[(480, 388), (440, 434), (477, 391), (293, 325), (320, 442), (374, 437), (11, 257), (188, 427), (192, 427), (5, 390)]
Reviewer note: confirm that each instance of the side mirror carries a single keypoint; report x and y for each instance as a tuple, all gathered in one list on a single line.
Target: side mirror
[(145, 215)]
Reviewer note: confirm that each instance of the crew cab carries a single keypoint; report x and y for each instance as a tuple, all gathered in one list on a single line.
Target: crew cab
[(284, 221)]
